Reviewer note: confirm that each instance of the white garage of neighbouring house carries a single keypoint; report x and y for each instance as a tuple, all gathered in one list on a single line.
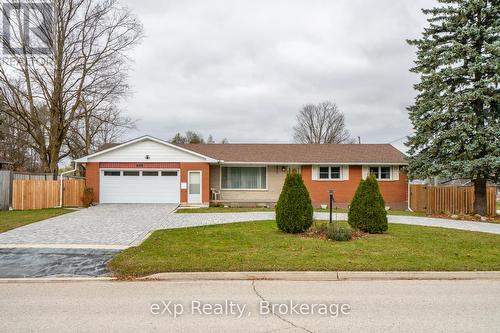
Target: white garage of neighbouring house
[(148, 170)]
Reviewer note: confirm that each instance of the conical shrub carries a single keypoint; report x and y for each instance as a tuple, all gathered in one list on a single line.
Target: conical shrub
[(294, 211), (367, 211)]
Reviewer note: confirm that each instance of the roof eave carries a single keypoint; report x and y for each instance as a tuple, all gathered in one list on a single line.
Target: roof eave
[(313, 163), (85, 159)]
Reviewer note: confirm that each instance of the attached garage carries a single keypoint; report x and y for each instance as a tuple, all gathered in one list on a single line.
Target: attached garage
[(148, 170), (140, 186)]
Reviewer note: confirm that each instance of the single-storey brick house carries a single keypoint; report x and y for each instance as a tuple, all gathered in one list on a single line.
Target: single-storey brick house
[(150, 170)]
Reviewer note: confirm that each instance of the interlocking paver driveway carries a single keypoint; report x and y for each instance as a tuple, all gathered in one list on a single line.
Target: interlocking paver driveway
[(114, 225)]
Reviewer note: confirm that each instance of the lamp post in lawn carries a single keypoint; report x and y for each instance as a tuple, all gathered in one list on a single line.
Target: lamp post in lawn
[(330, 192)]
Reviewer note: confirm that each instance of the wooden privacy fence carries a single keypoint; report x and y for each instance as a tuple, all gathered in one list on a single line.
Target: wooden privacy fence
[(36, 194), (448, 199)]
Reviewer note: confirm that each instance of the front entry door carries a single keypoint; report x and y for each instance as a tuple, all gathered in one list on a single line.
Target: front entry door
[(194, 187)]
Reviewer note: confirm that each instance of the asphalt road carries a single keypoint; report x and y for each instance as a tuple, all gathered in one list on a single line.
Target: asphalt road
[(33, 262), (352, 306)]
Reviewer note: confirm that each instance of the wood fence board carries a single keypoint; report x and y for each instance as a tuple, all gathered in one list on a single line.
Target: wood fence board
[(448, 199), (36, 194)]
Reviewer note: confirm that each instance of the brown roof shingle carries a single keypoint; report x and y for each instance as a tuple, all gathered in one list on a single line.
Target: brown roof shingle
[(301, 153)]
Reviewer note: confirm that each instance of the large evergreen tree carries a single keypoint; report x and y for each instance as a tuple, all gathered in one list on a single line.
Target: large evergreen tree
[(456, 115)]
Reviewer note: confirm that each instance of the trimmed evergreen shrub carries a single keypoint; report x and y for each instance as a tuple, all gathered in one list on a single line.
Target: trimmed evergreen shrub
[(367, 211), (294, 211), (338, 234)]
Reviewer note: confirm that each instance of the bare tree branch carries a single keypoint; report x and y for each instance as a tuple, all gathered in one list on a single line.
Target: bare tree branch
[(321, 123), (76, 83)]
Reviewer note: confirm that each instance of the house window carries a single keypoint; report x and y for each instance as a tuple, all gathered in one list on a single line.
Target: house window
[(111, 173), (381, 172), (248, 178), (150, 173), (131, 173), (169, 173), (329, 172)]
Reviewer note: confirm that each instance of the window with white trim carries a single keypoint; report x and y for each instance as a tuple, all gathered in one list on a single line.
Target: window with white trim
[(381, 172), (247, 178), (330, 173)]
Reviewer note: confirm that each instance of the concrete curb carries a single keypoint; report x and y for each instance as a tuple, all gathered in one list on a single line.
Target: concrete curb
[(323, 276), (56, 279)]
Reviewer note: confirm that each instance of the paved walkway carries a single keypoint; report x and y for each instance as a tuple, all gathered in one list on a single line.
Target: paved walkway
[(492, 228), (197, 219)]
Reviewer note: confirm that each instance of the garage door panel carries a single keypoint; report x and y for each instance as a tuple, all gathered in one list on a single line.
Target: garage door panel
[(139, 189)]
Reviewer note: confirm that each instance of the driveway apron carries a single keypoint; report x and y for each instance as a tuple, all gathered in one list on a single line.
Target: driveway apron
[(79, 243)]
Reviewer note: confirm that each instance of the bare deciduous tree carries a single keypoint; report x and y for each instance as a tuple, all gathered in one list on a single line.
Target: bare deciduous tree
[(190, 137), (82, 68), (95, 129), (15, 146), (321, 123)]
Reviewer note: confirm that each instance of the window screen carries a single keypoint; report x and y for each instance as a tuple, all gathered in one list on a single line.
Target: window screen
[(381, 172), (329, 172)]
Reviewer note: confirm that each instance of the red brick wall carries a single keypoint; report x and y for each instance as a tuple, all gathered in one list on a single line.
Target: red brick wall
[(92, 175), (394, 192), (205, 180), (92, 178), (152, 165)]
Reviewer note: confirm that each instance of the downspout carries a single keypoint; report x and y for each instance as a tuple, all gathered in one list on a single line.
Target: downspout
[(61, 184), (408, 198)]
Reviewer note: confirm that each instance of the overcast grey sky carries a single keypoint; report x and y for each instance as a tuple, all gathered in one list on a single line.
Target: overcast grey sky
[(242, 69)]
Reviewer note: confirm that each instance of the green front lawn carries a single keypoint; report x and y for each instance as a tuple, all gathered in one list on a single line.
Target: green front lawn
[(17, 218), (263, 209), (260, 246)]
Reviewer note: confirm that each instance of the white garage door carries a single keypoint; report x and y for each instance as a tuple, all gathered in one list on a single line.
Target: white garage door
[(140, 186)]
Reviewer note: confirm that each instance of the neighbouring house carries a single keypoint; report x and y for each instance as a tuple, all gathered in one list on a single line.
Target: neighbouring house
[(150, 170)]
